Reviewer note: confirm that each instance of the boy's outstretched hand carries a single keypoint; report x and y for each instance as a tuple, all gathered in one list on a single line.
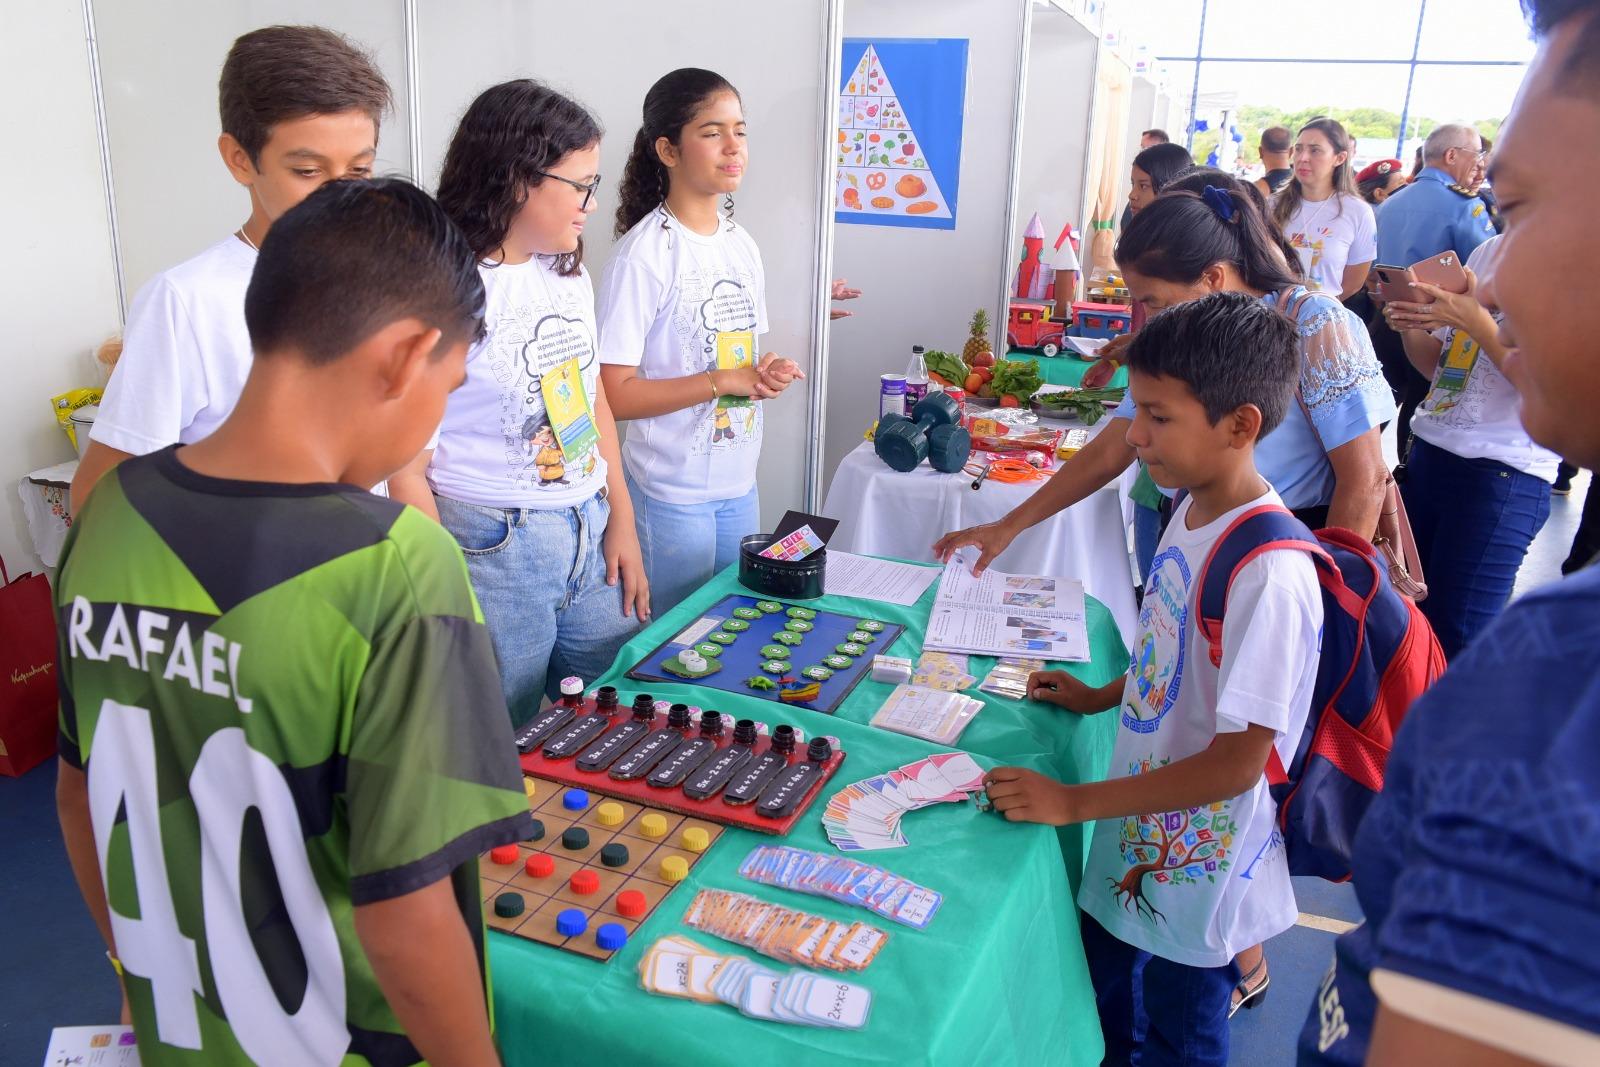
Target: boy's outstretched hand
[(1028, 796), (1063, 690)]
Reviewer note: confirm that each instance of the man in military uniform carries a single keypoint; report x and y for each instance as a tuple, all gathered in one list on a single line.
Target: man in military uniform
[(1439, 211)]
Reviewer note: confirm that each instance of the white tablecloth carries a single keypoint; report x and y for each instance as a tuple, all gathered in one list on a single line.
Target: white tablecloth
[(882, 512)]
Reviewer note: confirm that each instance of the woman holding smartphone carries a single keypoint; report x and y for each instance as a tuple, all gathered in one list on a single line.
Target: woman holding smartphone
[(681, 305)]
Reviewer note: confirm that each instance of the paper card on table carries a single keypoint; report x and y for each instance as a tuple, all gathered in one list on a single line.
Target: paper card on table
[(821, 525), (871, 578)]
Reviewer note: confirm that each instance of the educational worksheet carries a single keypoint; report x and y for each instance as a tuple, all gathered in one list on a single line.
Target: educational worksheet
[(870, 578), (1000, 614)]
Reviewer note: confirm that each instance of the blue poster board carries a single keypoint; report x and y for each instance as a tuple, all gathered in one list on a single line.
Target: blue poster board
[(898, 156)]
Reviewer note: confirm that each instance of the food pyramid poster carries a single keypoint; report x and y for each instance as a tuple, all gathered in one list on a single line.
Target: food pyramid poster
[(899, 144)]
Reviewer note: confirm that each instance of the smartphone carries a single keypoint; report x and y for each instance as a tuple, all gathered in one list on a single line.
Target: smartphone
[(1443, 270)]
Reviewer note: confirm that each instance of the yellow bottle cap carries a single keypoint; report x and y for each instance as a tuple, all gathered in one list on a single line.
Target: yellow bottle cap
[(653, 825), (674, 869), (530, 787), (609, 814), (695, 839)]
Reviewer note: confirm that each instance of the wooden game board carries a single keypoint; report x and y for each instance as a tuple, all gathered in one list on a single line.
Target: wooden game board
[(544, 898)]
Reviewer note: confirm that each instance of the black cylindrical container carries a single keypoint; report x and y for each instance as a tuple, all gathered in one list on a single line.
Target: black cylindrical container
[(798, 579)]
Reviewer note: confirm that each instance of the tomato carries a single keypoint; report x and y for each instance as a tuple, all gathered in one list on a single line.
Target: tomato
[(1009, 401), (973, 383)]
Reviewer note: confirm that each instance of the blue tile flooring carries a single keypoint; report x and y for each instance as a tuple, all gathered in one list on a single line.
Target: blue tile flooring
[(55, 973)]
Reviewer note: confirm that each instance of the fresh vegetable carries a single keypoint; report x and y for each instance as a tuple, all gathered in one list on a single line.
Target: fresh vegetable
[(1016, 377), (983, 359), (938, 379), (1009, 401), (986, 373), (974, 382), (945, 365), (1087, 405)]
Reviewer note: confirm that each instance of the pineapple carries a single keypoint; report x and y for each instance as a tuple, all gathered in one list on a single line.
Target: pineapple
[(979, 339)]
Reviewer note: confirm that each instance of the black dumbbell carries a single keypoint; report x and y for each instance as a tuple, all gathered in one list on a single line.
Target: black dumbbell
[(936, 435)]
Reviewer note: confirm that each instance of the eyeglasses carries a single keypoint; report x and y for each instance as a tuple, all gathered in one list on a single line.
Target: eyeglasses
[(586, 188), (1477, 153)]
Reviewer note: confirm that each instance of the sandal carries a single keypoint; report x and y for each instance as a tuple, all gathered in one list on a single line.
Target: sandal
[(1246, 995)]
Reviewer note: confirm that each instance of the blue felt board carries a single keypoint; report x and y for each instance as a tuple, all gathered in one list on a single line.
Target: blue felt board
[(743, 658)]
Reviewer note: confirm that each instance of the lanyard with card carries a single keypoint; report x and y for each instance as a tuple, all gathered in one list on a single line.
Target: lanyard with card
[(1456, 365), (735, 349), (567, 405)]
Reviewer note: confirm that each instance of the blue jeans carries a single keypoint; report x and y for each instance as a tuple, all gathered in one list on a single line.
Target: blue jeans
[(1474, 520), (1154, 1011), (685, 544), (540, 577)]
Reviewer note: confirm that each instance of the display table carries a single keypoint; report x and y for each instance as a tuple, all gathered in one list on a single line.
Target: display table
[(883, 512), (999, 975), (1065, 369)]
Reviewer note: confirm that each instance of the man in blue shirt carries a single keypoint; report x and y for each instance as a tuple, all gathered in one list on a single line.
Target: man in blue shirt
[(1478, 866), (1438, 211)]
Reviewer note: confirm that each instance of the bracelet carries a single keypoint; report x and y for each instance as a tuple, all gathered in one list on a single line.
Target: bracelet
[(116, 964), (1116, 364), (715, 392)]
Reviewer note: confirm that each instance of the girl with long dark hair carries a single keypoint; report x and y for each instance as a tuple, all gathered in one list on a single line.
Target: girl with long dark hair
[(681, 305), (526, 473), (1320, 212)]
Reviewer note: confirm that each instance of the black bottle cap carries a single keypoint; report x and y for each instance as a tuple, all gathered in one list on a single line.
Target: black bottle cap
[(820, 750), (536, 832), (614, 854), (508, 905), (644, 707), (574, 838), (678, 717), (605, 698), (711, 723), (744, 732), (783, 739)]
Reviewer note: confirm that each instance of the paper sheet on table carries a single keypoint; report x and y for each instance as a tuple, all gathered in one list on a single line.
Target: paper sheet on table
[(870, 578), (92, 1046), (1086, 346), (1000, 614)]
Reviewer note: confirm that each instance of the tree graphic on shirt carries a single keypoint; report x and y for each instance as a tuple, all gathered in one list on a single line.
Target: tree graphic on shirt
[(1174, 847)]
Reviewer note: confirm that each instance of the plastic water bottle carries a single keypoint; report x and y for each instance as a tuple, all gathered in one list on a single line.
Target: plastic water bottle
[(916, 378)]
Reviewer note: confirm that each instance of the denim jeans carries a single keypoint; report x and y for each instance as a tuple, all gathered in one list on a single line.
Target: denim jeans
[(1153, 1011), (540, 577), (1473, 520), (685, 544)]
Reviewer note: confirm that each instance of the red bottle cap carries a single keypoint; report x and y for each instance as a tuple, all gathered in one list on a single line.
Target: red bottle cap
[(504, 855), (540, 865), (585, 882), (631, 904)]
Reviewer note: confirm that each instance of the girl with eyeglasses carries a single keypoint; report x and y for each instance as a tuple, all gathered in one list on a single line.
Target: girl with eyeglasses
[(681, 305), (1321, 214), (526, 473)]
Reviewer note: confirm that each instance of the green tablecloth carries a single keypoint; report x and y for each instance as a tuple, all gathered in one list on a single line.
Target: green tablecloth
[(1065, 369), (998, 977)]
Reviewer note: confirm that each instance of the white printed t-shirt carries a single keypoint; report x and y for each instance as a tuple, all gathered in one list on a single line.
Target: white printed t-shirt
[(1471, 408), (1197, 886), (185, 354), (1331, 234), (664, 298), (497, 447)]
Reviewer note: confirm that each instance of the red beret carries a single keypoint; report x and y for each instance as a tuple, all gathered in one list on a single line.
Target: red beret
[(1381, 169)]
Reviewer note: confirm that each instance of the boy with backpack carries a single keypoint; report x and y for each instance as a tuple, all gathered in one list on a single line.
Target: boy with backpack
[(283, 741), (1188, 865)]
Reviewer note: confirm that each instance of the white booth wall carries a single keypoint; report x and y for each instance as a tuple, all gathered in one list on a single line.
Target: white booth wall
[(159, 63), (921, 286)]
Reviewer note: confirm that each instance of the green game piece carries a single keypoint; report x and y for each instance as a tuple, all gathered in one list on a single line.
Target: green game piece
[(802, 613), (769, 607), (760, 681), (775, 666), (799, 626), (859, 637), (746, 613), (774, 652), (849, 648), (708, 649), (723, 639), (838, 663), (817, 674), (736, 626), (872, 626), (673, 665), (784, 637)]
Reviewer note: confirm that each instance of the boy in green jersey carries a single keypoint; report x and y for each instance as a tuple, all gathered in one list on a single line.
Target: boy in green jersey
[(283, 741)]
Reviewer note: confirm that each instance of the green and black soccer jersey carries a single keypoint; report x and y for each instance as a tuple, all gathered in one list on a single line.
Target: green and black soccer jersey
[(287, 705)]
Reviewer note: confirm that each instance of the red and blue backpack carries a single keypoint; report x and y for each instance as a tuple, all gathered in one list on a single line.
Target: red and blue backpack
[(1378, 655)]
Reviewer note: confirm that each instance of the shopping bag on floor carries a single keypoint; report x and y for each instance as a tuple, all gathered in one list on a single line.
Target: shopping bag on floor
[(27, 672)]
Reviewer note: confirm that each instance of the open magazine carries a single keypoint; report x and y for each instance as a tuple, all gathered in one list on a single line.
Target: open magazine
[(1000, 614)]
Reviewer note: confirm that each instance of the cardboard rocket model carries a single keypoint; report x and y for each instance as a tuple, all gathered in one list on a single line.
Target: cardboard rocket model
[(1035, 278)]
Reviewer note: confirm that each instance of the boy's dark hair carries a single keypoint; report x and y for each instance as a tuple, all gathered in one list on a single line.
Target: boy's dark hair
[(669, 106), (509, 135), (1162, 162), (353, 257), (1179, 234), (280, 73), (1230, 349)]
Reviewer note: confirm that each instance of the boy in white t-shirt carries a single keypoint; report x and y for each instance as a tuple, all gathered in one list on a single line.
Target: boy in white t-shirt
[(1187, 866), (300, 107)]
